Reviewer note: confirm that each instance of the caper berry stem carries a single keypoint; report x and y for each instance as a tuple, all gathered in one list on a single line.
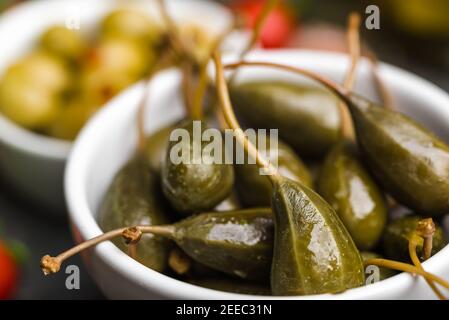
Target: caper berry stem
[(353, 36), (405, 267), (181, 47), (385, 94), (260, 22), (187, 80), (337, 89), (231, 120), (412, 244), (131, 236), (164, 61), (197, 108), (203, 78)]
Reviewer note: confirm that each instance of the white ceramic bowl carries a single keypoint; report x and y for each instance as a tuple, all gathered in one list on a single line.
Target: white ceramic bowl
[(108, 141), (33, 163)]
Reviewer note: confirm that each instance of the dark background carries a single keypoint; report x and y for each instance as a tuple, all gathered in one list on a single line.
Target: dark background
[(425, 55)]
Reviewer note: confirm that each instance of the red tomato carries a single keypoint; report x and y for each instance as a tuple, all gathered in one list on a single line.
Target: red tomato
[(8, 273), (280, 24)]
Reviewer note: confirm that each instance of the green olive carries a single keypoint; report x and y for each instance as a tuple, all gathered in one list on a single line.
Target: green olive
[(27, 104), (112, 66), (350, 190), (255, 189), (64, 42), (31, 91), (43, 69), (195, 183), (133, 199), (398, 234), (71, 119), (116, 57), (132, 25), (307, 118)]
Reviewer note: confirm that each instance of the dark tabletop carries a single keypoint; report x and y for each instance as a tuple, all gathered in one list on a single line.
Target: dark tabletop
[(41, 232)]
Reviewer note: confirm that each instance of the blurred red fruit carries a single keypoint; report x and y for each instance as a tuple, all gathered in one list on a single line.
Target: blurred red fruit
[(8, 273), (279, 26), (319, 36)]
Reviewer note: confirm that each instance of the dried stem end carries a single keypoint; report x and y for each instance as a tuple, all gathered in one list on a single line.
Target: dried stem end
[(132, 235), (426, 230), (353, 36), (50, 264)]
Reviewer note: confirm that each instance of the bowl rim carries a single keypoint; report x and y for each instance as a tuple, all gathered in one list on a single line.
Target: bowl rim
[(83, 220), (25, 140)]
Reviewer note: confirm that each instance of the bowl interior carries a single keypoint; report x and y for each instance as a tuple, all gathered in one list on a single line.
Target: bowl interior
[(110, 138), (22, 25)]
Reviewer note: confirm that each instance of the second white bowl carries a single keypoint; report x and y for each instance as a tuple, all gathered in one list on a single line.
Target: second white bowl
[(32, 163)]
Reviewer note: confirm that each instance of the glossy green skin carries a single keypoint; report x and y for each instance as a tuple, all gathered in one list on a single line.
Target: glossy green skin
[(192, 188), (255, 189), (384, 273), (313, 251), (410, 162), (156, 147), (231, 285), (346, 185), (307, 118), (133, 199), (239, 243), (399, 232)]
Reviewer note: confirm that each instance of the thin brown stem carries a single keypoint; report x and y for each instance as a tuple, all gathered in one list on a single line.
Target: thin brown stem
[(164, 61), (221, 120), (187, 89), (130, 234), (203, 79), (417, 263), (405, 267), (180, 46), (337, 89), (200, 91), (220, 39), (258, 26), (385, 94), (231, 120), (354, 52)]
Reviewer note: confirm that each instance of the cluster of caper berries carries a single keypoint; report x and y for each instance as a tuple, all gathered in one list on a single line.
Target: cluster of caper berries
[(296, 231)]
